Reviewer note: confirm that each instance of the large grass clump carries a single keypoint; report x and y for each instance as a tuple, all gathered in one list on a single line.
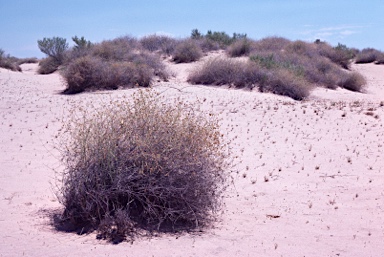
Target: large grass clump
[(140, 164)]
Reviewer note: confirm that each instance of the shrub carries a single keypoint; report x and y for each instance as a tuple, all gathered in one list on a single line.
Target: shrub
[(352, 81), (368, 55), (48, 65), (164, 44), (8, 62), (271, 44), (222, 38), (380, 59), (92, 73), (250, 74), (27, 60), (218, 71), (240, 48), (285, 83), (141, 164), (187, 51), (53, 47), (119, 49), (207, 45), (340, 55)]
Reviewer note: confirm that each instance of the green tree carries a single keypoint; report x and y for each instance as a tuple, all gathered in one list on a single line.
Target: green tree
[(81, 43), (53, 47), (195, 34)]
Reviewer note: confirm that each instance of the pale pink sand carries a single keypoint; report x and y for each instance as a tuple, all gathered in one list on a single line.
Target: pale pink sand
[(307, 181)]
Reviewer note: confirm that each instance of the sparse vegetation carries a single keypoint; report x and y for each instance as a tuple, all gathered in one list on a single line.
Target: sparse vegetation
[(141, 164), (13, 63)]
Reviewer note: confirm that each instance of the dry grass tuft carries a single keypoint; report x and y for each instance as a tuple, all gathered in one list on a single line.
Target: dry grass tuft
[(141, 164)]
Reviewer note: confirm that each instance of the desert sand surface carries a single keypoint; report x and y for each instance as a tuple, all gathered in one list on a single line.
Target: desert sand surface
[(307, 176)]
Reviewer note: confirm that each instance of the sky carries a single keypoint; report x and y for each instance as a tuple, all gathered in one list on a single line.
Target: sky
[(355, 23)]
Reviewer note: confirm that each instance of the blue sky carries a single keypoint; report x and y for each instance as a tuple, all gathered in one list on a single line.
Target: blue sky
[(355, 23)]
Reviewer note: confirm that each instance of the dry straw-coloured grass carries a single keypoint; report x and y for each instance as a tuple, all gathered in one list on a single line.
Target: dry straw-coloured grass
[(141, 164)]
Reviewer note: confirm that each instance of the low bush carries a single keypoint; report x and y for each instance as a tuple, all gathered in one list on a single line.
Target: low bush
[(48, 65), (119, 49), (207, 45), (271, 44), (240, 48), (9, 65), (163, 44), (27, 60), (141, 164), (8, 62), (368, 55), (187, 51), (112, 64), (250, 74), (92, 73), (218, 71), (352, 81), (340, 55)]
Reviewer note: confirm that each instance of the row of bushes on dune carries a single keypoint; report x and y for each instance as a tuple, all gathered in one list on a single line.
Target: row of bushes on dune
[(13, 63), (130, 62), (282, 67)]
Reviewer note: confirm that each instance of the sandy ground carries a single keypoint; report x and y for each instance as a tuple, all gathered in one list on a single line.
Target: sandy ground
[(307, 179)]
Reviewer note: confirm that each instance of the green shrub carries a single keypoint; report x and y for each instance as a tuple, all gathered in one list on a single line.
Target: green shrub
[(54, 48), (141, 164), (222, 38), (187, 51)]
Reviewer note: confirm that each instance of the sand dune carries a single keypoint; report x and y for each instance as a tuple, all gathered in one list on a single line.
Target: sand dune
[(307, 179)]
